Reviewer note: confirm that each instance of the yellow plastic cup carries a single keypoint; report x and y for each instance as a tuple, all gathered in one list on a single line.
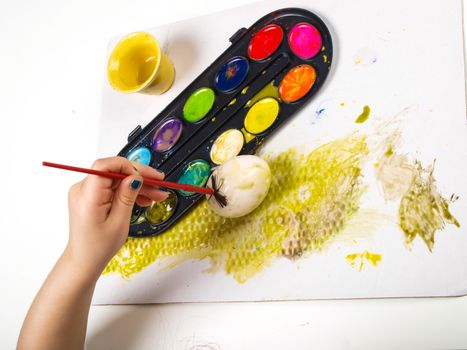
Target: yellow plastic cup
[(137, 64)]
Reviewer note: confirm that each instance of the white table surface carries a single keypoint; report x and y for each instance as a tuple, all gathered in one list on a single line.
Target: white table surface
[(51, 59)]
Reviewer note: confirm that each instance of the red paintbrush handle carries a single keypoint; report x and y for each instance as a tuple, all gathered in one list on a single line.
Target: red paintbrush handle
[(160, 183)]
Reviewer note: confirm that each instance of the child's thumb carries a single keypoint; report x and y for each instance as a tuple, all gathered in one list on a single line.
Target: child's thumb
[(125, 198)]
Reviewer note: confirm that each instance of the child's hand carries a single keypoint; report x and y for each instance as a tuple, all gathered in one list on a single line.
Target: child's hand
[(100, 211)]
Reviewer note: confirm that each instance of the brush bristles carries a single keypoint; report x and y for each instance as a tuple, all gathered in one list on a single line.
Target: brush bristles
[(218, 196), (220, 199)]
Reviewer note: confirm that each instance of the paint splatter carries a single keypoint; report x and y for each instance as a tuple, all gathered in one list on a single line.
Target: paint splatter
[(422, 209), (365, 57), (359, 260), (328, 107), (286, 224), (363, 117), (320, 111)]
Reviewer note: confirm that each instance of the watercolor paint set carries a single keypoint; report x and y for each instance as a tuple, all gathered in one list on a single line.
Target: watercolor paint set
[(268, 73)]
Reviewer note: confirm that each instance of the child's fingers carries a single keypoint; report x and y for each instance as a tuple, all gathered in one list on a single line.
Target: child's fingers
[(97, 189), (149, 194), (124, 200), (143, 201), (147, 171), (153, 193)]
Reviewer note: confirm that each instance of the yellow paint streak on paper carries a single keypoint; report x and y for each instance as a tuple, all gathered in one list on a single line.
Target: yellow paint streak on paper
[(311, 198)]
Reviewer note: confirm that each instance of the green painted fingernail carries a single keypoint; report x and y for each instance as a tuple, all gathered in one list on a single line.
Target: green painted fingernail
[(135, 184)]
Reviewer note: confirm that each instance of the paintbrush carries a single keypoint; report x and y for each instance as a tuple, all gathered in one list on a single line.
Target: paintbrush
[(221, 199)]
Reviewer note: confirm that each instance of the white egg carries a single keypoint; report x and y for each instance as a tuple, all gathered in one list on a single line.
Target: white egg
[(244, 181)]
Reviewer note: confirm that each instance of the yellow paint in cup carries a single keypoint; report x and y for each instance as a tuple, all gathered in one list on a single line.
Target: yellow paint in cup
[(137, 64)]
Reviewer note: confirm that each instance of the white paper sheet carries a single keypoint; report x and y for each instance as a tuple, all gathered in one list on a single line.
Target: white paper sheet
[(389, 55)]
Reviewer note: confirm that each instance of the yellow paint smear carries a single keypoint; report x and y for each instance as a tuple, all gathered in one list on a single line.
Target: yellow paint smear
[(311, 198)]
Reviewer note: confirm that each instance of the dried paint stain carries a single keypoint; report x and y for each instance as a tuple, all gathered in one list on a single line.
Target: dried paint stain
[(394, 173), (422, 209), (311, 199)]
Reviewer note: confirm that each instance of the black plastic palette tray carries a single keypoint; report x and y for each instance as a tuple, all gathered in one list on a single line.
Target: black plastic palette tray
[(229, 108)]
